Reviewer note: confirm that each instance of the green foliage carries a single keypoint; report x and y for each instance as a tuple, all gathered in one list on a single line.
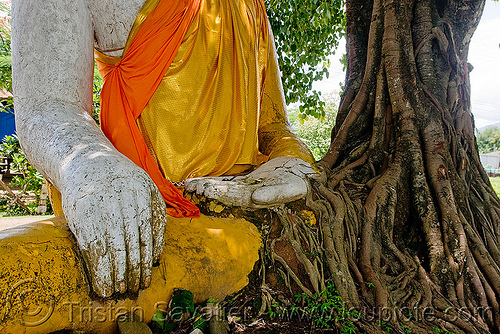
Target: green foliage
[(5, 56), (181, 309), (325, 309), (438, 330), (160, 323), (385, 327), (5, 50), (182, 305), (315, 132), (406, 329), (9, 146), (30, 179), (200, 322), (495, 182), (96, 92), (306, 33), (488, 140)]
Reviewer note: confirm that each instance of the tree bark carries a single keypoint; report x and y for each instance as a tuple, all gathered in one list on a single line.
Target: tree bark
[(407, 220)]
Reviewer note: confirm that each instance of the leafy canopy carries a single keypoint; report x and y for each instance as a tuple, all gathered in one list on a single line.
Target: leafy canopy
[(316, 132), (488, 140), (306, 32), (5, 55), (5, 52)]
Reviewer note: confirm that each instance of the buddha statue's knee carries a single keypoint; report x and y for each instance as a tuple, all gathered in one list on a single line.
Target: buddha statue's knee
[(44, 288)]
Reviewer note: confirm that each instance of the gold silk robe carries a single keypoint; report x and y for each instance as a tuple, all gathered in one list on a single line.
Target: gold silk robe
[(219, 108)]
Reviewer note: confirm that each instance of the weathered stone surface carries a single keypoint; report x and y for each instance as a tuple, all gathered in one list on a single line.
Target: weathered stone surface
[(131, 324), (280, 180), (110, 203), (43, 287)]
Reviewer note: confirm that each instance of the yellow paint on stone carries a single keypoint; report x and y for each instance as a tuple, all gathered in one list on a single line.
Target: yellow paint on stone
[(55, 199), (308, 216), (43, 287), (215, 207)]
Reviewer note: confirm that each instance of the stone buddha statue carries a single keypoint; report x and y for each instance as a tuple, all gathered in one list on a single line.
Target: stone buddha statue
[(192, 95)]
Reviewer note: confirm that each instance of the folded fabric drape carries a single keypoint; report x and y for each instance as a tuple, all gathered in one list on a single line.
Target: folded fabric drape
[(130, 82)]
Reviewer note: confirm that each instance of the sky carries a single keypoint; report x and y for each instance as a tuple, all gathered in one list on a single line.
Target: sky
[(484, 55)]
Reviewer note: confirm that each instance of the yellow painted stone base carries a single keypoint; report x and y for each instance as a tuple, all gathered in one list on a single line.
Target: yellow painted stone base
[(43, 287)]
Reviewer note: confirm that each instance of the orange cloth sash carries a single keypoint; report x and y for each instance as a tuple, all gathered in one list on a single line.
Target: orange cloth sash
[(130, 83)]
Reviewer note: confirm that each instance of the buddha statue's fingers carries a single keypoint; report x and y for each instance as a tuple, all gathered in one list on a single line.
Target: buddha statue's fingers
[(118, 218), (230, 191), (43, 287), (280, 180), (290, 188)]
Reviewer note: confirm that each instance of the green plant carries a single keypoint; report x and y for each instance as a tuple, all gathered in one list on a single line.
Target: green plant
[(313, 255), (306, 33), (438, 330), (272, 312), (385, 327), (370, 284), (325, 309), (488, 140), (406, 329), (5, 56), (96, 92), (348, 327), (9, 146), (315, 132), (29, 180), (5, 50)]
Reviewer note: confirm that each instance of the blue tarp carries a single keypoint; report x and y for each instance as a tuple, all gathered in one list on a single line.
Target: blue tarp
[(7, 124)]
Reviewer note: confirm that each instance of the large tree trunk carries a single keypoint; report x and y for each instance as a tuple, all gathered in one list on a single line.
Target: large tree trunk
[(407, 219)]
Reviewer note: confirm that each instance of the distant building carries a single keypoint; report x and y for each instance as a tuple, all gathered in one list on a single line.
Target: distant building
[(490, 160), (491, 163)]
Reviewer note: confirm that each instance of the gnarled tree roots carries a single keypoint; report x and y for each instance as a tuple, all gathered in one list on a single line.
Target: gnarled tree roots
[(407, 222)]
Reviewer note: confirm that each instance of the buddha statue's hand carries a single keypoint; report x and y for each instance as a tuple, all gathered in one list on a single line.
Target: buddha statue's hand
[(118, 218), (278, 181)]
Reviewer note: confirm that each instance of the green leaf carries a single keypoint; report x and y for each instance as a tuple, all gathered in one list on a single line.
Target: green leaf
[(182, 305), (5, 61), (306, 33), (200, 322), (158, 321)]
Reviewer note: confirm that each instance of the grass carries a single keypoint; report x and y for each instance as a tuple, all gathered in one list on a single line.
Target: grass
[(495, 182)]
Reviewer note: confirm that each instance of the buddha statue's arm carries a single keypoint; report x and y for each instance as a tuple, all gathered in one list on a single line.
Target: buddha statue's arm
[(111, 205), (276, 137)]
